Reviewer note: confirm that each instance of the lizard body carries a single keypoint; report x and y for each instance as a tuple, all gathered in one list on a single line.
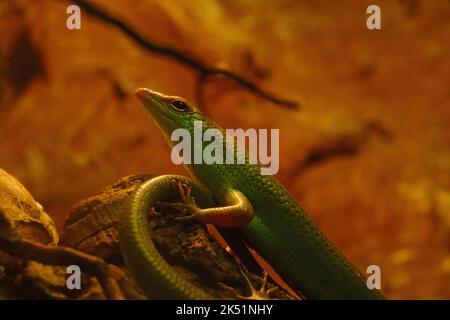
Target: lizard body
[(268, 216)]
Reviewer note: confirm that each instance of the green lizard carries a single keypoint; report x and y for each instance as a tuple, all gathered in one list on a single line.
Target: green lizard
[(268, 216)]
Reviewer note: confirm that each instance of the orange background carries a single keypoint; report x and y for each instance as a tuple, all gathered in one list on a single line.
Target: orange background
[(69, 124)]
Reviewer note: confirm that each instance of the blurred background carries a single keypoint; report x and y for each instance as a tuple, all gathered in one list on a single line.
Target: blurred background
[(367, 156)]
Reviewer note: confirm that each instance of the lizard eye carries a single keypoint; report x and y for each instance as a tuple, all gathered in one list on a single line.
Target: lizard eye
[(179, 105)]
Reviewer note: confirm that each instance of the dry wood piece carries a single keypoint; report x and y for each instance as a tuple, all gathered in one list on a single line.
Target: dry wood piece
[(29, 253), (91, 226), (187, 246), (20, 213)]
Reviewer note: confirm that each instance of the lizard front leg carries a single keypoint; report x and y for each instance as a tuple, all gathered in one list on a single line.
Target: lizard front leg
[(236, 212)]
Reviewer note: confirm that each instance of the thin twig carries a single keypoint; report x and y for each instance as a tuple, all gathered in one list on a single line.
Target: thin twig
[(183, 57)]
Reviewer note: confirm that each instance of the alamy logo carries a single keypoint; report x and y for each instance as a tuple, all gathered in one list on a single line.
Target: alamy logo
[(374, 20), (74, 280), (374, 278), (74, 20), (227, 147)]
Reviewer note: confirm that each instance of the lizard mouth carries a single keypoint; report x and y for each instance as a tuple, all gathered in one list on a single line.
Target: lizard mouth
[(151, 100), (141, 93), (147, 95), (154, 102)]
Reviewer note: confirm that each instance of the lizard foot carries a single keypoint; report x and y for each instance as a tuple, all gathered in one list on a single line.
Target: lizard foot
[(255, 294), (185, 192), (187, 206), (190, 211)]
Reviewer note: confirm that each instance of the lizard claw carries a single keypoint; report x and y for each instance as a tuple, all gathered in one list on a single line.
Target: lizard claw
[(191, 217), (262, 294), (255, 294), (185, 192), (189, 211), (187, 206)]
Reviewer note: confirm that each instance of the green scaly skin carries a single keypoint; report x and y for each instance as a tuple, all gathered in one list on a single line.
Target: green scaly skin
[(268, 216), (150, 270)]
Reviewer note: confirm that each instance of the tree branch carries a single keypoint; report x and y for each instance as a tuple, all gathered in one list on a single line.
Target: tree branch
[(183, 57)]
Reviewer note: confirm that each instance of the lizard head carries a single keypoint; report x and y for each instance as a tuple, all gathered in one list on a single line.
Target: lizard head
[(169, 112)]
